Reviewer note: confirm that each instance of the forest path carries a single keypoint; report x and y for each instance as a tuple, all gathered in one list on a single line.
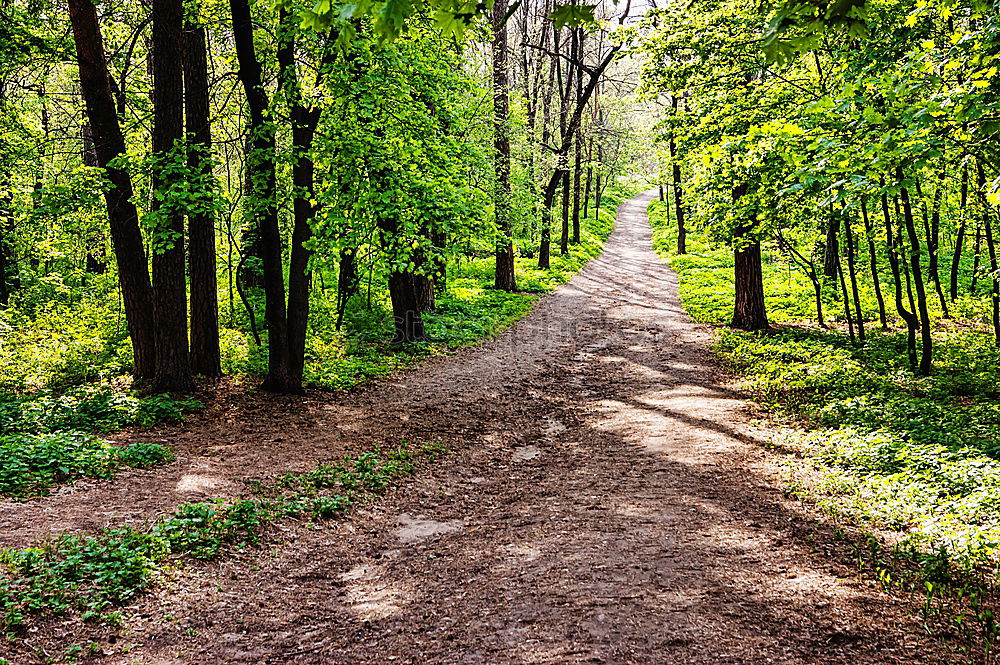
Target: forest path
[(605, 503)]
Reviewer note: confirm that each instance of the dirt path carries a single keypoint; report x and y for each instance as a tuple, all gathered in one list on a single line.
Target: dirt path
[(605, 503)]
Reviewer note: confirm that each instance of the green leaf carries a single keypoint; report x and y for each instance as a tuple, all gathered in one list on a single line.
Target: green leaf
[(573, 15)]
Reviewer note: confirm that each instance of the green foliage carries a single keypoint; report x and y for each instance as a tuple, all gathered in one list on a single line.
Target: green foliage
[(30, 464), (88, 408), (93, 574), (48, 437), (870, 441), (919, 455)]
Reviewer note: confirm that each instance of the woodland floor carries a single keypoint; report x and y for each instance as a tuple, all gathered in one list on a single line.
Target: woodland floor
[(607, 500)]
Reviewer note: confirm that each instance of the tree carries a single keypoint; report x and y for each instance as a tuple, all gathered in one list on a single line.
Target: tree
[(505, 278), (205, 353), (109, 146), (173, 364)]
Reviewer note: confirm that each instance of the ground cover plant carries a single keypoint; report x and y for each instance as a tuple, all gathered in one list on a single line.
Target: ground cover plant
[(51, 437), (915, 458), (92, 576)]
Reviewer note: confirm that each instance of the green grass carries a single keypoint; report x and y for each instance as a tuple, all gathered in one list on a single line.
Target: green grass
[(91, 576)]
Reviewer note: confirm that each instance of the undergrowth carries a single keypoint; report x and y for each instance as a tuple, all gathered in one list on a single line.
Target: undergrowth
[(94, 575), (916, 459), (49, 437)]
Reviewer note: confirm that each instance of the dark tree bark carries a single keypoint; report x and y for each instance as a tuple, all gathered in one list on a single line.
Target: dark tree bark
[(348, 281), (565, 86), (577, 185), (263, 206), (852, 270), (909, 318), (831, 255), (305, 120), (976, 248), (205, 354), (565, 195), (8, 265), (173, 363), (504, 278), (956, 257), (567, 132), (590, 175), (95, 263), (926, 340), (873, 265), (847, 303), (578, 161), (403, 292), (545, 234), (678, 187), (109, 144), (992, 250), (548, 199), (749, 311), (424, 286)]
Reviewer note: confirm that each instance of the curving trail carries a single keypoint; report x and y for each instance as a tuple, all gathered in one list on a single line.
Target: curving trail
[(606, 503)]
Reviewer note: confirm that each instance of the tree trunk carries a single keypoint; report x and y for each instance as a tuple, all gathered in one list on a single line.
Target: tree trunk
[(577, 177), (956, 257), (205, 354), (8, 266), (831, 255), (548, 200), (873, 265), (565, 195), (678, 188), (909, 318), (409, 325), (852, 270), (304, 123), (348, 281), (504, 277), (847, 302), (926, 340), (263, 206), (976, 248), (173, 364), (598, 188), (578, 162), (424, 286), (991, 248), (749, 311), (109, 145), (95, 263)]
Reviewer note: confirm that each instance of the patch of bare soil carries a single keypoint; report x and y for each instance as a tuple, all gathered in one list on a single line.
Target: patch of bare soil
[(606, 502)]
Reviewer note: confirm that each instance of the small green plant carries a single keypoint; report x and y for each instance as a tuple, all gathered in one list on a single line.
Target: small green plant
[(94, 574)]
